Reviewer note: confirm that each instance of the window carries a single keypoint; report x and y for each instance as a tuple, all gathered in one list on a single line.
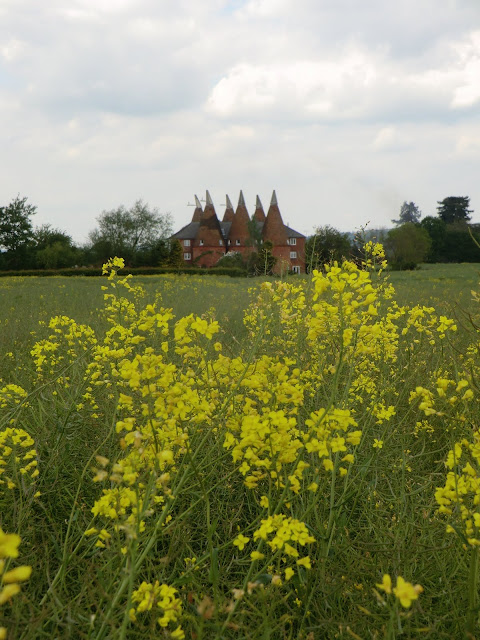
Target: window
[(186, 243), (229, 242), (296, 269), (201, 243), (293, 255), (187, 256), (220, 242), (237, 242), (292, 241)]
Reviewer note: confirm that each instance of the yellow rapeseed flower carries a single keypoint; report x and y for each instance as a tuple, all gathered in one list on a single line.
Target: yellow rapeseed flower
[(406, 592)]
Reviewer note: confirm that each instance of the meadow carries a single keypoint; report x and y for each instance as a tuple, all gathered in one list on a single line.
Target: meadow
[(188, 457)]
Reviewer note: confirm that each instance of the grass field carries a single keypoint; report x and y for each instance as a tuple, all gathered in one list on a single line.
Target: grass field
[(240, 458)]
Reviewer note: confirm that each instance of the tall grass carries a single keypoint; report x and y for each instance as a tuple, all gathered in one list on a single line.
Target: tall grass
[(308, 422)]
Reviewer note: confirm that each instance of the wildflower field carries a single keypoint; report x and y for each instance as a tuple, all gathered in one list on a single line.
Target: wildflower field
[(200, 458)]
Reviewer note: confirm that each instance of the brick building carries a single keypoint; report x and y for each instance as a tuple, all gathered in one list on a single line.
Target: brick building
[(206, 239)]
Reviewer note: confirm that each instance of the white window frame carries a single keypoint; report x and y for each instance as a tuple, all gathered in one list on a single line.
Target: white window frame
[(186, 243), (293, 255), (187, 256), (237, 243), (296, 268), (221, 243), (292, 241), (200, 242)]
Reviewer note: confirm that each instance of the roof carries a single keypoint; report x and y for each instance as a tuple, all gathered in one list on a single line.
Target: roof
[(189, 232), (291, 233)]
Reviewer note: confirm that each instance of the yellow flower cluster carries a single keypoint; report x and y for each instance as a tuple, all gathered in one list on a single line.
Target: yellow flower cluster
[(283, 535), (275, 319), (11, 395), (18, 458), (329, 433), (156, 597), (448, 392), (426, 323), (459, 499), (10, 579), (67, 342)]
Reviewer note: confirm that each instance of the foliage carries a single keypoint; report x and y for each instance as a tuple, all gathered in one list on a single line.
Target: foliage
[(454, 209), (16, 232), (408, 245), (325, 245), (437, 230), (409, 212), (127, 232), (255, 235), (54, 249), (232, 259), (263, 262), (451, 242), (175, 255)]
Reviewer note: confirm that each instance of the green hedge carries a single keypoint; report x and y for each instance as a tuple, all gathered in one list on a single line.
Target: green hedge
[(233, 272)]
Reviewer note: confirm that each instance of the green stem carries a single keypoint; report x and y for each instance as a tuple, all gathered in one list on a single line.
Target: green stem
[(472, 592)]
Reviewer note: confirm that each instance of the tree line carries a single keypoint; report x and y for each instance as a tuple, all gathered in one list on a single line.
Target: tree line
[(140, 234), (447, 237)]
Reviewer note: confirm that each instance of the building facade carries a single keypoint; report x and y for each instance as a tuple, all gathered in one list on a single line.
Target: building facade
[(206, 239)]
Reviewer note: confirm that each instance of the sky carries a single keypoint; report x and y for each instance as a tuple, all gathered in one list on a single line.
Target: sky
[(346, 108)]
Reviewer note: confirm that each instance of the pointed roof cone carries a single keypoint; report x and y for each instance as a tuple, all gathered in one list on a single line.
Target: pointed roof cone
[(239, 229), (274, 229), (229, 212), (197, 214), (210, 230), (259, 214)]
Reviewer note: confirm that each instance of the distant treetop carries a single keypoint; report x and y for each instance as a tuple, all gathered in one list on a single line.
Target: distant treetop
[(409, 212), (454, 209)]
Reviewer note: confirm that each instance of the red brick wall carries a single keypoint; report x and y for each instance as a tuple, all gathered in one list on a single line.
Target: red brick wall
[(208, 256)]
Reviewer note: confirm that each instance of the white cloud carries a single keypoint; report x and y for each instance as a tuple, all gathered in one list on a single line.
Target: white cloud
[(468, 91), (299, 88), (112, 100), (390, 139)]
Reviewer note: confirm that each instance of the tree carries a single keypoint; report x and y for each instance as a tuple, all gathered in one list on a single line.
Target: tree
[(47, 235), (266, 259), (175, 256), (232, 259), (16, 232), (325, 245), (263, 262), (408, 245), (409, 212), (436, 229), (125, 232), (454, 209), (54, 249)]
